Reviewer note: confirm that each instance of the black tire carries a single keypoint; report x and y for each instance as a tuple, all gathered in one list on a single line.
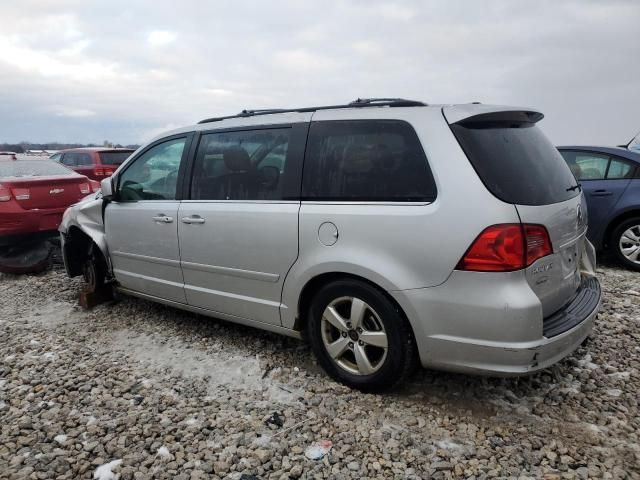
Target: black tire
[(396, 364), (614, 243), (94, 270)]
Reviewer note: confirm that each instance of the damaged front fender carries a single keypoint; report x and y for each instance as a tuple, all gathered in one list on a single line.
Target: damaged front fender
[(82, 227)]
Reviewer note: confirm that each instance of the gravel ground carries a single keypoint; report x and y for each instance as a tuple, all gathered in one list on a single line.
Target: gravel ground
[(137, 390)]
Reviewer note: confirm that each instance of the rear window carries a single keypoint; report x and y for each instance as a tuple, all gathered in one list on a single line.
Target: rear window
[(33, 168), (366, 160), (516, 162), (114, 158)]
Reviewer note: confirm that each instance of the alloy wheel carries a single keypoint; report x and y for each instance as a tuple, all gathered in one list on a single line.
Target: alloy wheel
[(354, 336)]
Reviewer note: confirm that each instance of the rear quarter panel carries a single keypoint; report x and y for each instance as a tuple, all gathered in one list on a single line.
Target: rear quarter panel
[(398, 246)]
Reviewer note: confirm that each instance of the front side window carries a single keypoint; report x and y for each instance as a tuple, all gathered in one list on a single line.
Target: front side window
[(154, 174), (366, 160), (75, 159), (242, 165)]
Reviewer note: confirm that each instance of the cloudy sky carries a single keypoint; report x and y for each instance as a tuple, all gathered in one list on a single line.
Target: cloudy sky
[(124, 70)]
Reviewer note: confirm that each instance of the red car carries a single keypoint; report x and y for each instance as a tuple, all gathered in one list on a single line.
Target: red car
[(96, 163), (34, 194)]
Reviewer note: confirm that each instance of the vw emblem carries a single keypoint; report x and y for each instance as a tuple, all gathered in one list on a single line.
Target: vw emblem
[(579, 216)]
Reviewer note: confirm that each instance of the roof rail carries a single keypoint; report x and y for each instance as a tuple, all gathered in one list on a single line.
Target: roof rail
[(358, 103)]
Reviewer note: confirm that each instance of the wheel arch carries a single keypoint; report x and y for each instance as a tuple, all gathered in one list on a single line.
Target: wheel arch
[(313, 285), (77, 246), (617, 220)]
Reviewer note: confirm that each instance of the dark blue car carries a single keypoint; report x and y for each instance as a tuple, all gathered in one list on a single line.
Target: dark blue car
[(610, 179)]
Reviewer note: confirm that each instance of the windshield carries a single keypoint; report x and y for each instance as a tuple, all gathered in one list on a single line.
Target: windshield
[(32, 168)]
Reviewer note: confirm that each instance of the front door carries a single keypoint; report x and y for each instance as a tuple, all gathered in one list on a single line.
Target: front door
[(239, 230), (141, 224)]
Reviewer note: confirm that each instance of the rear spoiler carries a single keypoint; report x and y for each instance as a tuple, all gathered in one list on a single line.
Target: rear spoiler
[(474, 113)]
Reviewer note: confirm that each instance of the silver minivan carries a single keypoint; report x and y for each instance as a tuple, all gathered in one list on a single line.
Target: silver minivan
[(383, 232)]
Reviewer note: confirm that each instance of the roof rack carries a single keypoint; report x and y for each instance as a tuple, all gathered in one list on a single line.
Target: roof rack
[(358, 103)]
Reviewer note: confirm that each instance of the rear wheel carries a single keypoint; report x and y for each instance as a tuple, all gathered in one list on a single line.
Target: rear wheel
[(625, 242), (359, 336)]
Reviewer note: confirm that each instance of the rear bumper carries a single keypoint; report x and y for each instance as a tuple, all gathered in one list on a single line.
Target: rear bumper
[(20, 222), (488, 325)]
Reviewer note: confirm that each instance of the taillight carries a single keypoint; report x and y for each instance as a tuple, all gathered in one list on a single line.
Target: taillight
[(108, 172), (95, 186), (5, 194), (506, 247), (85, 188), (21, 193), (98, 172)]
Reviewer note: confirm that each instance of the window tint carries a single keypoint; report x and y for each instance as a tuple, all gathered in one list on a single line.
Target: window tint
[(245, 165), (366, 160), (33, 168), (75, 159), (587, 165), (516, 162), (114, 158), (619, 169), (153, 175)]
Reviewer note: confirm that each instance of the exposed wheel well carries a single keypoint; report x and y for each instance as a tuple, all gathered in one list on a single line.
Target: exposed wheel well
[(77, 247), (617, 221), (316, 283)]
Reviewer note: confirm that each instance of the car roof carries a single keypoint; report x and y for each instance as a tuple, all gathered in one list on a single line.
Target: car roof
[(96, 149), (618, 151), (291, 115)]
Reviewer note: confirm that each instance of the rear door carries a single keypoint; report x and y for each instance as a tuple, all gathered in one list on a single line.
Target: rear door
[(141, 224), (239, 229), (604, 179), (519, 165)]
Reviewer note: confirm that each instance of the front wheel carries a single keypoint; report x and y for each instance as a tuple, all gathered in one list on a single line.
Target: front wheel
[(94, 270), (625, 242), (359, 336)]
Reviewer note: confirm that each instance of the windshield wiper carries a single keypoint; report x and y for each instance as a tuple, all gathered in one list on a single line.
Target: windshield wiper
[(576, 186)]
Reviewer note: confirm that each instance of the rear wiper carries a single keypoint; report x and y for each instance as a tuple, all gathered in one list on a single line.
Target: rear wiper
[(577, 185)]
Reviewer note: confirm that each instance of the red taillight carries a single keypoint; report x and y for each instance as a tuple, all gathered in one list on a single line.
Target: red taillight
[(506, 247), (108, 172), (21, 193), (98, 172), (85, 188), (5, 194)]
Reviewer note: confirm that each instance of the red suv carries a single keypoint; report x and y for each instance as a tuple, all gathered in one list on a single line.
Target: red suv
[(95, 163)]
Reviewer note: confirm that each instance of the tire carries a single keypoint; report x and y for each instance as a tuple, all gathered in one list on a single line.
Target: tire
[(623, 244), (354, 354), (94, 270)]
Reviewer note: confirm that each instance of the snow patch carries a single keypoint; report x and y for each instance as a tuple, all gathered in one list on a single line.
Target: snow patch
[(163, 452), (218, 368), (104, 472), (61, 439)]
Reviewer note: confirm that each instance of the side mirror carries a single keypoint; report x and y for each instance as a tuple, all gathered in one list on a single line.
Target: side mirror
[(107, 188)]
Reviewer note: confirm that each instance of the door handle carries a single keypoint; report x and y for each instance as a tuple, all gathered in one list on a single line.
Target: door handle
[(601, 193), (162, 218), (193, 219)]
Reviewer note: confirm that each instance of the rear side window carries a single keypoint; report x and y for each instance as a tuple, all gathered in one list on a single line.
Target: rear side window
[(597, 166), (516, 162), (113, 158), (242, 165), (366, 160)]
